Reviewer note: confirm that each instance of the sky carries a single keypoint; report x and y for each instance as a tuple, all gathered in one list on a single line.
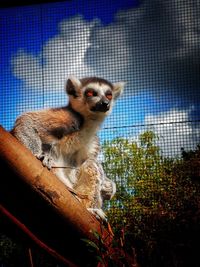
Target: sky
[(152, 45)]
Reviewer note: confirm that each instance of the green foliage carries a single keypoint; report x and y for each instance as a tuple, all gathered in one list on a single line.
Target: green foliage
[(113, 254), (157, 202)]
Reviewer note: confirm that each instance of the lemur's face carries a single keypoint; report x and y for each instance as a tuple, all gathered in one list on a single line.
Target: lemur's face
[(92, 95), (98, 97)]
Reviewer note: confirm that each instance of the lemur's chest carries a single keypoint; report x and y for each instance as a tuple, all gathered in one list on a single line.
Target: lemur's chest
[(75, 148), (74, 142)]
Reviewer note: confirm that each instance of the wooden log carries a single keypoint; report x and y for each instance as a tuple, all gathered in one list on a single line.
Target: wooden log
[(42, 202)]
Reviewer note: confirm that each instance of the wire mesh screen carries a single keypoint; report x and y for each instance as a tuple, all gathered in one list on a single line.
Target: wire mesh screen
[(153, 46)]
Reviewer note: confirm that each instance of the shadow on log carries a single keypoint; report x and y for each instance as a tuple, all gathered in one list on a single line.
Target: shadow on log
[(38, 199)]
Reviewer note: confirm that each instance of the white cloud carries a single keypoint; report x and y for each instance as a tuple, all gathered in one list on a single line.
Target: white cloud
[(175, 131), (61, 56), (153, 47), (109, 53), (28, 68)]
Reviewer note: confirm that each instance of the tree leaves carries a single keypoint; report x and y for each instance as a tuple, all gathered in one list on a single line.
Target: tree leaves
[(154, 194)]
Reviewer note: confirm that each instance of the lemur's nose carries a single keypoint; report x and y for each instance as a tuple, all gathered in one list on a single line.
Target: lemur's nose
[(103, 105)]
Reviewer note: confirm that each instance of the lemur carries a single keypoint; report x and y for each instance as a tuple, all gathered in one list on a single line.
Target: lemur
[(65, 138)]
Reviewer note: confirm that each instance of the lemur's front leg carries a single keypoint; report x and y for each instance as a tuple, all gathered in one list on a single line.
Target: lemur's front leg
[(28, 135), (108, 189), (89, 182), (46, 156)]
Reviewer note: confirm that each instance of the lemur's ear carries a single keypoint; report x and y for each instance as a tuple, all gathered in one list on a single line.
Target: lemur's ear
[(73, 86), (118, 89)]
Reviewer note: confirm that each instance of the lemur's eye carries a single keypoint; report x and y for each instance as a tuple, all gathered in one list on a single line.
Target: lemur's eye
[(109, 95), (90, 93)]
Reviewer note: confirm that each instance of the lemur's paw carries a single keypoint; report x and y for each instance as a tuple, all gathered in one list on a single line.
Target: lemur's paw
[(98, 213), (46, 160), (108, 189)]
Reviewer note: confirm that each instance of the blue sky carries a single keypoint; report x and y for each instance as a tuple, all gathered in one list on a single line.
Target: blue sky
[(29, 27), (153, 46)]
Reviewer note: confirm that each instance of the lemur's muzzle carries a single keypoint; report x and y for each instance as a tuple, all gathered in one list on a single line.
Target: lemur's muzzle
[(102, 106)]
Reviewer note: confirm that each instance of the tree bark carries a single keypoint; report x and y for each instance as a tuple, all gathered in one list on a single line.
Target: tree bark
[(42, 202)]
